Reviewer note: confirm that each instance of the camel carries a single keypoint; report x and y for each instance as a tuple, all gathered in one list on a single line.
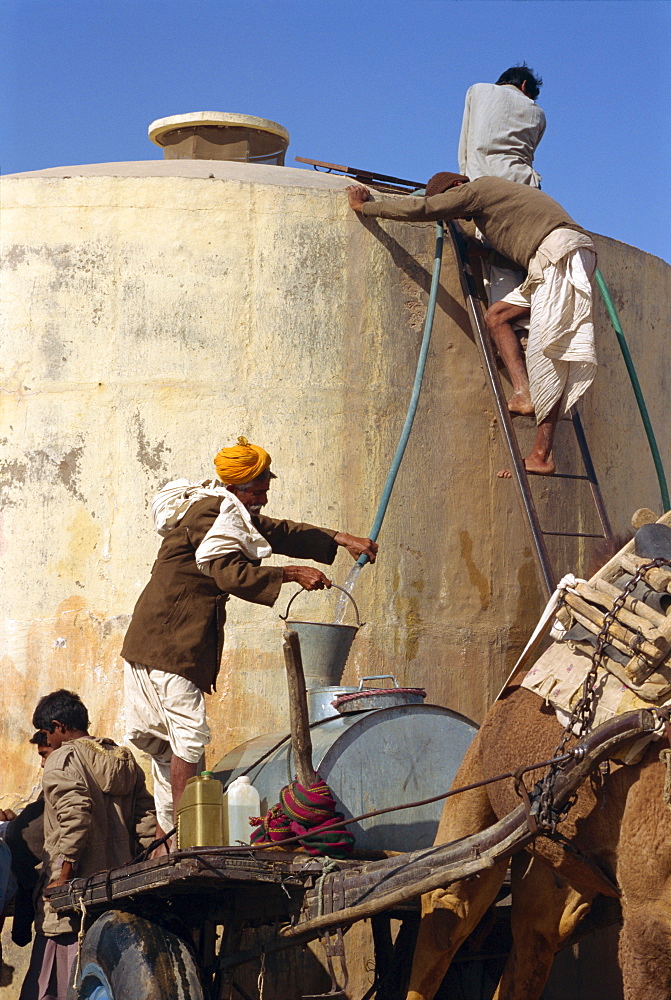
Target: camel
[(619, 822), (620, 833)]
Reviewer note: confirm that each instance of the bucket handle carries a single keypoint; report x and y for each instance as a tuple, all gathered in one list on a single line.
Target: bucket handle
[(359, 623), (377, 677)]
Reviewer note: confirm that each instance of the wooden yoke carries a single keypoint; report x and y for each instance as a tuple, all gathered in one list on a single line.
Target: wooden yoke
[(301, 741)]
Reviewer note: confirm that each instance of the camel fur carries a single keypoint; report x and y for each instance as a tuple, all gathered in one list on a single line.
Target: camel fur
[(620, 822)]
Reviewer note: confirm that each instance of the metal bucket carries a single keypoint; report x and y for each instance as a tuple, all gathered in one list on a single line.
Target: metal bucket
[(324, 646)]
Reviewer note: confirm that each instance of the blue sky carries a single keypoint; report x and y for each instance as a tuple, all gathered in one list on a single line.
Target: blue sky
[(374, 83)]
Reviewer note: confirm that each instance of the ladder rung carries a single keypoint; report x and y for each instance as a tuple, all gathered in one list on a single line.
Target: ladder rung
[(574, 534), (567, 475)]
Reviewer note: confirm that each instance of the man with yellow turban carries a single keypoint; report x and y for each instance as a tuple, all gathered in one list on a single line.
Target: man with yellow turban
[(214, 539)]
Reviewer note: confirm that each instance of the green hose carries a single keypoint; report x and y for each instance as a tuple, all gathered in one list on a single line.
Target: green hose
[(645, 417), (405, 433)]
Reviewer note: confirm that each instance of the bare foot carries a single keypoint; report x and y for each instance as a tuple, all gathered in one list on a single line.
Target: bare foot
[(520, 402), (538, 466), (534, 465)]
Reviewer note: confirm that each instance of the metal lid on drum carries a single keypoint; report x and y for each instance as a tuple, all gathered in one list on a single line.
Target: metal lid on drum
[(364, 699)]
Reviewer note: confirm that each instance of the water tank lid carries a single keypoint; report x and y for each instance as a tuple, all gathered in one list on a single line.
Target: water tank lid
[(159, 128)]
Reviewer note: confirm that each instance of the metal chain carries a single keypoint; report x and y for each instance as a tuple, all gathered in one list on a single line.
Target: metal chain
[(582, 715)]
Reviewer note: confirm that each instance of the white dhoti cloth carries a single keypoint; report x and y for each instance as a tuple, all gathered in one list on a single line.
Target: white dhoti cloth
[(561, 357), (165, 715), (500, 281)]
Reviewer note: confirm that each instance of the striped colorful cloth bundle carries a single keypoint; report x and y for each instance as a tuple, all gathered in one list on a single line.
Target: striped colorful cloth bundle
[(310, 811)]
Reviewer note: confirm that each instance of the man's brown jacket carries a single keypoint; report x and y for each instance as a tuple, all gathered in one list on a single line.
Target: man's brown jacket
[(178, 621), (514, 218)]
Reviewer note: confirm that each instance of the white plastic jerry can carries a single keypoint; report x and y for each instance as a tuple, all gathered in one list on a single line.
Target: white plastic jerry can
[(241, 800)]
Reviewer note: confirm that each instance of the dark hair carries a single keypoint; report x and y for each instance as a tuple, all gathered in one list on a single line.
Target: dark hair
[(64, 706), (39, 738), (517, 75)]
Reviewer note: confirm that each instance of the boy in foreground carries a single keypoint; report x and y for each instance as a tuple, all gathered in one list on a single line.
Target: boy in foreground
[(96, 810)]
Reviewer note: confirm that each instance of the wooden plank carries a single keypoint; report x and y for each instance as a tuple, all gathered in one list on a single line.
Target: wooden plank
[(612, 568), (631, 603), (301, 740), (642, 516), (651, 685), (637, 623), (658, 579), (622, 638), (360, 173), (591, 627), (176, 872)]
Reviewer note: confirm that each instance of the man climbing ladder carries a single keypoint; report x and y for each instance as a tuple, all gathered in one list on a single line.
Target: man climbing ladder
[(529, 228)]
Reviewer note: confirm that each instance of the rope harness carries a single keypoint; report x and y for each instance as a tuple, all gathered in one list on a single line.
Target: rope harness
[(80, 938)]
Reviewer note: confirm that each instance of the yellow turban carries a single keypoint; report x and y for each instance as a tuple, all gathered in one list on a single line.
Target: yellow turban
[(242, 462)]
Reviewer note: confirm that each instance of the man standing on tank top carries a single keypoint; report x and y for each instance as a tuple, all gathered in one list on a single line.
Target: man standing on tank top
[(214, 539), (501, 129)]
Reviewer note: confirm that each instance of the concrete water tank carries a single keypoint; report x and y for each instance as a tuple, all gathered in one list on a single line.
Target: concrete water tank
[(154, 311)]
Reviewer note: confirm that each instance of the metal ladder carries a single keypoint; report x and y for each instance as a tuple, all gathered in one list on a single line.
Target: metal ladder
[(520, 477)]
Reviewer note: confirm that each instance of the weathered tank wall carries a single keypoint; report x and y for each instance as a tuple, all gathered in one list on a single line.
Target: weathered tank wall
[(154, 311)]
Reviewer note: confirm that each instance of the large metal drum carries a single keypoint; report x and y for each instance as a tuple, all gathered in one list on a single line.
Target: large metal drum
[(370, 760)]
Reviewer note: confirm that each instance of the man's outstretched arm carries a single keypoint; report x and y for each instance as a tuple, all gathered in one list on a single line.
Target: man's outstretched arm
[(358, 195), (314, 579), (357, 546), (453, 204), (235, 574)]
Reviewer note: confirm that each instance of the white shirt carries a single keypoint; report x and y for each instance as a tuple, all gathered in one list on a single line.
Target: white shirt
[(500, 131)]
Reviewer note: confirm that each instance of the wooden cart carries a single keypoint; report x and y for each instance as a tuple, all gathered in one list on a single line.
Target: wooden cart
[(151, 929)]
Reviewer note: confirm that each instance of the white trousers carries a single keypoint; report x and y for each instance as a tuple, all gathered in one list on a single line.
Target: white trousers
[(165, 715)]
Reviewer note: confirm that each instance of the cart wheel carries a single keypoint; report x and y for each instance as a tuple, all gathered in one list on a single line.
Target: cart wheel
[(125, 956)]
